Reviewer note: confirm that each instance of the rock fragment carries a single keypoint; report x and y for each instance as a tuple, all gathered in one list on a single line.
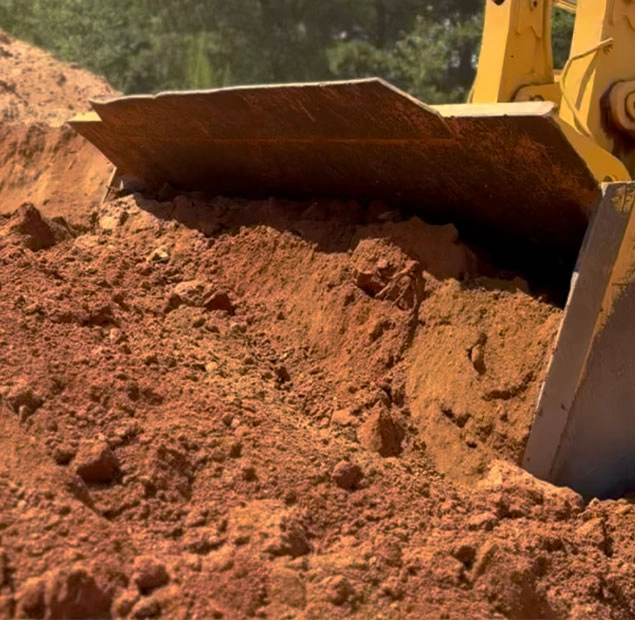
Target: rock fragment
[(193, 292), (34, 231), (96, 463), (125, 602), (76, 594), (220, 300), (147, 608), (338, 590), (381, 434), (343, 417), (30, 599), (21, 397), (159, 255), (63, 593), (63, 454), (149, 574), (347, 475)]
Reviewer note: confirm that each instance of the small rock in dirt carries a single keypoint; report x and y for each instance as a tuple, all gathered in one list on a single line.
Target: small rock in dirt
[(34, 231), (75, 594), (393, 588), (465, 553), (96, 314), (203, 543), (30, 599), (96, 463), (24, 413), (343, 417), (147, 608), (110, 221), (63, 455), (237, 328), (22, 395), (292, 542), (369, 282), (249, 472), (282, 374), (347, 475), (511, 579), (220, 300), (159, 255), (172, 302), (477, 357), (116, 336), (482, 521), (338, 590), (593, 533), (526, 493), (193, 292), (149, 574), (119, 298), (150, 359), (124, 603), (381, 434)]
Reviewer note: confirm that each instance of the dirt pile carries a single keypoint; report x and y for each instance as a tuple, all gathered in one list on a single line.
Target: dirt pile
[(235, 423), (41, 160), (226, 409)]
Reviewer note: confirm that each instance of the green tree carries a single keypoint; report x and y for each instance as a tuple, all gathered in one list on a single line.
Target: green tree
[(428, 48)]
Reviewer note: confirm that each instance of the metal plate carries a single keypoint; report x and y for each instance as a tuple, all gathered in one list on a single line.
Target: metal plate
[(583, 434), (502, 169)]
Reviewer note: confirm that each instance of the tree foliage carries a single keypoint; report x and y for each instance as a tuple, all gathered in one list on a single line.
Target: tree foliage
[(428, 48)]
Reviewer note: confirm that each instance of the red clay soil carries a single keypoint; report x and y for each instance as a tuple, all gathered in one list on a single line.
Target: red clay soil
[(41, 159), (226, 409)]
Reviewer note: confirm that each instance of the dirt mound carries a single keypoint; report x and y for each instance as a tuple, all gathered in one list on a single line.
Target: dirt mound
[(273, 455), (37, 88), (42, 161)]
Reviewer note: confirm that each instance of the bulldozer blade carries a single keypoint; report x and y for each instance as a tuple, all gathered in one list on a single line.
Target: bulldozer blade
[(583, 434), (506, 171)]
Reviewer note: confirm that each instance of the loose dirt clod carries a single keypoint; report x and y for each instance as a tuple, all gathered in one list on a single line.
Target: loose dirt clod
[(30, 229), (347, 475), (149, 574), (96, 463)]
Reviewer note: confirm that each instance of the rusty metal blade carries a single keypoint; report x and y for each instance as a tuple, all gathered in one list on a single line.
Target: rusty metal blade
[(503, 168)]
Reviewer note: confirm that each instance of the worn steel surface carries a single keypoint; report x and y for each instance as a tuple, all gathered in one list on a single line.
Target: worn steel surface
[(506, 168), (583, 435)]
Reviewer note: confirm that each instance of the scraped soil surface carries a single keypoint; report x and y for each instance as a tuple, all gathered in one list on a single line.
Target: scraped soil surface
[(223, 409)]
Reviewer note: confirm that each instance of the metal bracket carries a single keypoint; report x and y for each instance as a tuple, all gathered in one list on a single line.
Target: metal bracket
[(622, 101)]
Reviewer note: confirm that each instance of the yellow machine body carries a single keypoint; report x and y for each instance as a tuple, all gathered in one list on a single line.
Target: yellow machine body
[(538, 158)]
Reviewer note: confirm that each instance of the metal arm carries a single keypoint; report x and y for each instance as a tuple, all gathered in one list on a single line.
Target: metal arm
[(600, 86), (598, 89), (516, 49)]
